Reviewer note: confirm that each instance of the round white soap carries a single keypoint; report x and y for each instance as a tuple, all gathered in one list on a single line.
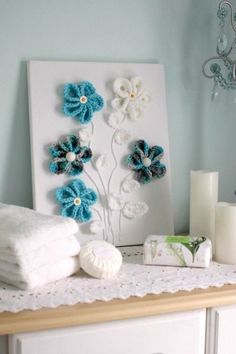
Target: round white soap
[(100, 259)]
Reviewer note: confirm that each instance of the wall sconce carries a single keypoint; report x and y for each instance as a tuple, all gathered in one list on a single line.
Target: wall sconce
[(222, 68)]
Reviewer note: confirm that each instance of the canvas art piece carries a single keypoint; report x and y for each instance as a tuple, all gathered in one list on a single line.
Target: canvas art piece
[(99, 147)]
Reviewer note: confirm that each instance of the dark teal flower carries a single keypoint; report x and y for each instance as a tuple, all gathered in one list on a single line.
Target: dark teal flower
[(145, 162), (69, 156), (81, 101), (76, 200)]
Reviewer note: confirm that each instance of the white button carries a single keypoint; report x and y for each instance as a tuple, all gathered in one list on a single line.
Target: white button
[(83, 99), (146, 161), (70, 156), (77, 201)]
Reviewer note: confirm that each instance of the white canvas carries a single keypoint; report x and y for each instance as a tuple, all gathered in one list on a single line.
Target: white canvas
[(49, 124)]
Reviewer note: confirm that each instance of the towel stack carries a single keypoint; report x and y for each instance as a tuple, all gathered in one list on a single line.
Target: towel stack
[(36, 249)]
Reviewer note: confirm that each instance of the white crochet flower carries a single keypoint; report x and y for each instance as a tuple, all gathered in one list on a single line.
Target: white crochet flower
[(130, 98), (122, 136), (100, 162), (85, 135), (132, 210), (130, 185), (96, 227), (115, 119), (115, 202)]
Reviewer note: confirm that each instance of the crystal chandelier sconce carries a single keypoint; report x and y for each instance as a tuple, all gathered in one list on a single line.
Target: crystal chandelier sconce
[(222, 67)]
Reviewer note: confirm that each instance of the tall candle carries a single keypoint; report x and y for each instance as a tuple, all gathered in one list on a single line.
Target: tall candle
[(203, 199), (225, 230)]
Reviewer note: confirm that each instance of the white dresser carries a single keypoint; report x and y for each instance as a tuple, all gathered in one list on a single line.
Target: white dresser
[(183, 323)]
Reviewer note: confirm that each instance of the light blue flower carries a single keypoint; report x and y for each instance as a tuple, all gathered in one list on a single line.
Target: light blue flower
[(68, 156), (145, 162), (81, 101), (76, 200)]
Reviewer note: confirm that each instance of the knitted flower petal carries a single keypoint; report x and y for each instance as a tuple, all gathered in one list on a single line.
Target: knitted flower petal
[(134, 209), (89, 197), (83, 214), (144, 97), (122, 87), (96, 102), (85, 154), (134, 111), (142, 148), (101, 162), (115, 119), (156, 153), (134, 161), (58, 165), (122, 136), (136, 83), (78, 187), (71, 92), (120, 104), (70, 144), (86, 114), (56, 151), (73, 111), (85, 135), (87, 88), (75, 168), (158, 169), (65, 194), (130, 185), (144, 175), (67, 210)]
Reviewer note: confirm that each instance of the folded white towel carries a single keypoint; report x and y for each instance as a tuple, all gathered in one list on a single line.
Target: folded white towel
[(24, 230), (47, 254), (41, 276)]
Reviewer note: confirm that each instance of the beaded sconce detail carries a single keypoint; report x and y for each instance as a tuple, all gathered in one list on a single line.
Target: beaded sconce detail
[(222, 67)]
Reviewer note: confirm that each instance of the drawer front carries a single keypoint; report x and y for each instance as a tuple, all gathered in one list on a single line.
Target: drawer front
[(221, 329), (181, 333)]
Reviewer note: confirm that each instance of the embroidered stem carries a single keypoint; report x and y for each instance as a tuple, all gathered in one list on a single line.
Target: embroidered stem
[(116, 164), (109, 212), (101, 200), (100, 218), (120, 212)]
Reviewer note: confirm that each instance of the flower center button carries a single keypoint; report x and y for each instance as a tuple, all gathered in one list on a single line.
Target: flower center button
[(83, 99), (77, 201), (70, 156), (146, 161)]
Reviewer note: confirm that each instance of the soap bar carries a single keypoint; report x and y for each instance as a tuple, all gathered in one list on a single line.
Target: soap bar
[(100, 259), (181, 251)]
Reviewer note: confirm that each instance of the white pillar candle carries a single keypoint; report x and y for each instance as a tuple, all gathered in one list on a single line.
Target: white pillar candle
[(225, 231), (203, 199)]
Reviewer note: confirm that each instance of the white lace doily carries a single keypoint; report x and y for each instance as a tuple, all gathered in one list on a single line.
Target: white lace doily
[(134, 279)]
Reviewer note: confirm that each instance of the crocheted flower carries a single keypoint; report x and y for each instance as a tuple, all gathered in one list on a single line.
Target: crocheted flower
[(130, 97), (81, 101), (145, 161), (76, 200), (69, 156)]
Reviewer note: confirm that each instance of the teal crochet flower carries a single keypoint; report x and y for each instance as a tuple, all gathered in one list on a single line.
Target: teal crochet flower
[(76, 200), (68, 156), (81, 101), (145, 162)]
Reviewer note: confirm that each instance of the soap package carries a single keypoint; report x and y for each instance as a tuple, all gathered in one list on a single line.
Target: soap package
[(179, 251)]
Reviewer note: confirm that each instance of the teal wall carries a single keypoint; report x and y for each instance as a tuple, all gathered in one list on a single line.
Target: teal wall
[(180, 34)]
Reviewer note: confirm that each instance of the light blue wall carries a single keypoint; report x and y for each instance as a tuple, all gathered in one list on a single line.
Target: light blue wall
[(180, 34)]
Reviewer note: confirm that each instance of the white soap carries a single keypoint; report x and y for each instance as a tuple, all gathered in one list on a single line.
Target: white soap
[(100, 259)]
